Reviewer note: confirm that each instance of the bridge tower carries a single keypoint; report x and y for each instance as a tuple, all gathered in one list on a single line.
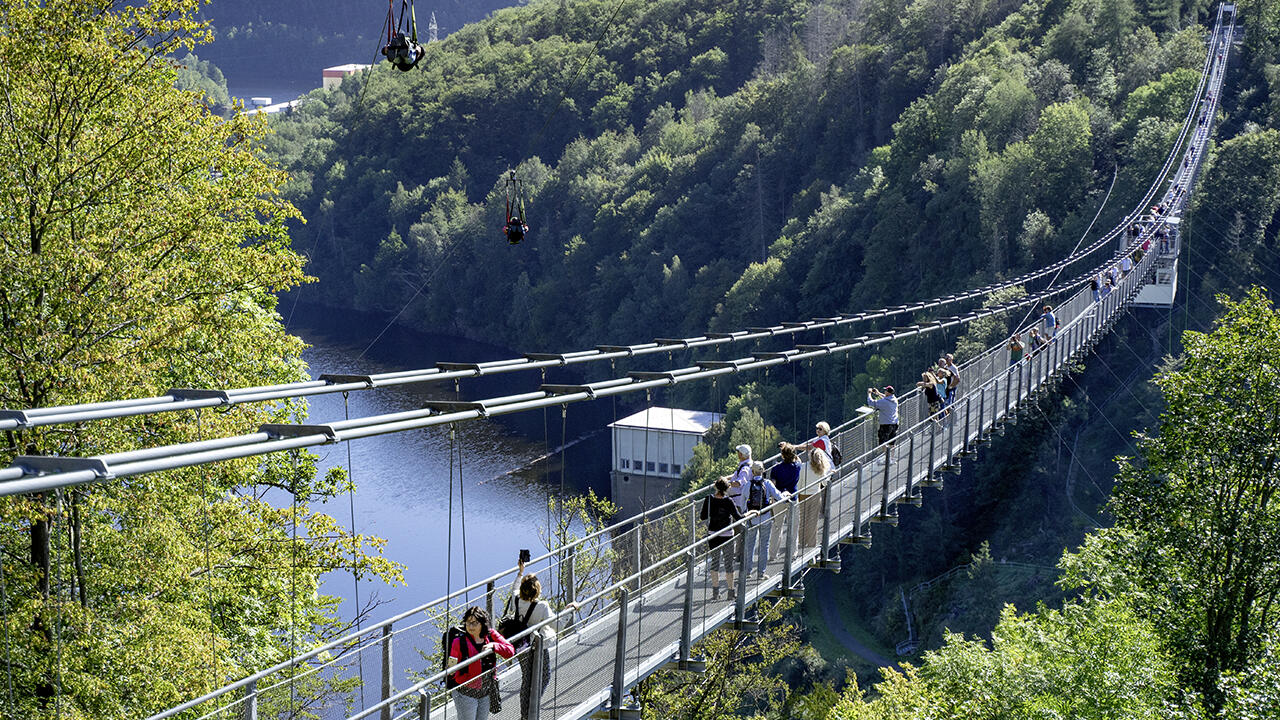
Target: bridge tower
[(433, 30)]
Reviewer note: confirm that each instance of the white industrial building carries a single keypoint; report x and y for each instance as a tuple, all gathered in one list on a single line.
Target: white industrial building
[(650, 450)]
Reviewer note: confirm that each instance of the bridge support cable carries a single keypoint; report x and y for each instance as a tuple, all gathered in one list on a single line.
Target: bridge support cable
[(34, 474)]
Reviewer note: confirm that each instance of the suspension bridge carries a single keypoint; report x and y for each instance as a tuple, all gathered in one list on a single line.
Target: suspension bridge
[(634, 594)]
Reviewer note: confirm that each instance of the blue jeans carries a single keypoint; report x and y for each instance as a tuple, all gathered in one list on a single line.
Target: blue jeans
[(758, 532), (470, 708)]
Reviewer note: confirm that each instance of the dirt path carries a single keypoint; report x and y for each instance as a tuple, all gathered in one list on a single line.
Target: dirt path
[(824, 590)]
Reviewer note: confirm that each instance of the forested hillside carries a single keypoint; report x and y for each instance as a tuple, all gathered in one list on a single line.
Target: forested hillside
[(735, 162)]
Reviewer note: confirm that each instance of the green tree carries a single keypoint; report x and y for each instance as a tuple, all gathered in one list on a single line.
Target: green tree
[(1092, 659), (141, 242), (1201, 497), (738, 679)]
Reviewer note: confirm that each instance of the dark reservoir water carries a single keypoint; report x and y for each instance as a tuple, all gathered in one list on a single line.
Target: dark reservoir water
[(404, 479)]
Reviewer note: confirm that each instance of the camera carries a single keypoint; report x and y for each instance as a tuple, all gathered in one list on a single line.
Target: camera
[(524, 555)]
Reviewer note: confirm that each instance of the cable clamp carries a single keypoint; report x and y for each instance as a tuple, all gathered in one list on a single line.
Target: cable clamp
[(50, 464), (340, 379), (199, 394), (569, 390), (281, 431)]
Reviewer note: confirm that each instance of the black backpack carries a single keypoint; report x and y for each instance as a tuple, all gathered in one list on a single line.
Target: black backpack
[(837, 457), (488, 662), (756, 498), (511, 625)]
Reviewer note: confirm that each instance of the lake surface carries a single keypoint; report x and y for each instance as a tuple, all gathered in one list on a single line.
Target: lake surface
[(404, 479)]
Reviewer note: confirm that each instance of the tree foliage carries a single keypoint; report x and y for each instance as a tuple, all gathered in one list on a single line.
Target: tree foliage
[(1202, 497), (1092, 659), (141, 242)]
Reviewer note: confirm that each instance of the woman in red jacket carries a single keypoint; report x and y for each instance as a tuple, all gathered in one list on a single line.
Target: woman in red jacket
[(478, 680)]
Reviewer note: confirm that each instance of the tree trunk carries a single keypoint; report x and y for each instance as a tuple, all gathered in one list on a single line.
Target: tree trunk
[(40, 560)]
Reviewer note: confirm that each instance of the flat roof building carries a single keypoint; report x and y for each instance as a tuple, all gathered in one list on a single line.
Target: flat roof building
[(332, 77), (650, 450)]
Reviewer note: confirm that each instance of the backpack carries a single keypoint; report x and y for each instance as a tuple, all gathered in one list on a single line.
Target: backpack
[(756, 498), (837, 457), (489, 662), (511, 625)]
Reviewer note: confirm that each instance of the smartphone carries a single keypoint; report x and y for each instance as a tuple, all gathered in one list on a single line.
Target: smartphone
[(525, 555)]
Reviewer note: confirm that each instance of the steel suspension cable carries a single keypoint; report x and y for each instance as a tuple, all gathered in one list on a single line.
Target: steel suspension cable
[(56, 595), (448, 564), (355, 573), (208, 556)]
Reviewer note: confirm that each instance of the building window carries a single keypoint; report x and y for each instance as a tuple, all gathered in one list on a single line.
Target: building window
[(648, 467), (662, 468), (675, 468), (626, 464), (637, 464)]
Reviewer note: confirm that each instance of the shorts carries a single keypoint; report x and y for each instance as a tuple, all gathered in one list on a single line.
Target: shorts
[(887, 433)]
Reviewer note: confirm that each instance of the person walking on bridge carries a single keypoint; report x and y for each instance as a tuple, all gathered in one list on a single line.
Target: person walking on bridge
[(477, 681), (761, 493), (720, 512)]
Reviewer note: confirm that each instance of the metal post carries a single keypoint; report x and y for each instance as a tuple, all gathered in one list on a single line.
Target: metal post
[(693, 523), (1021, 364), (686, 622), (488, 596), (570, 576), (251, 701), (885, 516), (639, 555), (995, 405), (1007, 381), (982, 413), (388, 688), (857, 504), (535, 669), (788, 559), (964, 440), (951, 442), (424, 704), (620, 656), (740, 604), (928, 466), (911, 468), (826, 522)]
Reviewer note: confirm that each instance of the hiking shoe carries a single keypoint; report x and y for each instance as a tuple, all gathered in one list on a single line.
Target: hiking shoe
[(715, 593), (733, 594)]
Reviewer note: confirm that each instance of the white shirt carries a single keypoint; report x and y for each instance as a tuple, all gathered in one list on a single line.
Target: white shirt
[(541, 612)]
